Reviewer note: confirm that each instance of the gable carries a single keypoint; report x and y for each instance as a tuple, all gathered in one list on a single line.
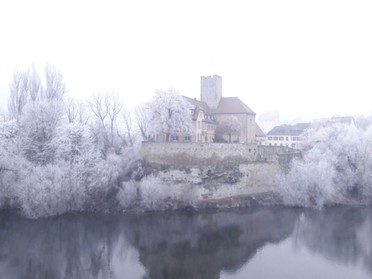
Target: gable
[(232, 105)]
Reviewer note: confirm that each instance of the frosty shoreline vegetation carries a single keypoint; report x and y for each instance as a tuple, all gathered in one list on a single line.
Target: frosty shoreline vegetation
[(58, 155), (337, 169)]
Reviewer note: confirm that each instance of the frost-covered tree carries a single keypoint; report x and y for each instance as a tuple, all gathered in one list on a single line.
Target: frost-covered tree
[(228, 126), (38, 109), (9, 136), (18, 97), (38, 125), (52, 161), (169, 113), (25, 87), (337, 169), (73, 143), (55, 86)]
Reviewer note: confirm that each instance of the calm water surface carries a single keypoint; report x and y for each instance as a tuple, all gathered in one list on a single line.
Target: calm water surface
[(259, 243)]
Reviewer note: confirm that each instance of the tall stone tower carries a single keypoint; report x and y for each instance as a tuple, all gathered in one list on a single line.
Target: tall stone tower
[(211, 90)]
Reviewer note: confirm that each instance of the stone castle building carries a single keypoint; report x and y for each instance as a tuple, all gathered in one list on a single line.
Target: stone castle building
[(222, 108), (212, 110)]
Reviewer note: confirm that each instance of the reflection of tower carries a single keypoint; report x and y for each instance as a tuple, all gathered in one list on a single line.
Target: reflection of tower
[(180, 246), (211, 90)]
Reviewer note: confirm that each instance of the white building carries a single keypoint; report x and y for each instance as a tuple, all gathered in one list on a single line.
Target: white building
[(287, 135)]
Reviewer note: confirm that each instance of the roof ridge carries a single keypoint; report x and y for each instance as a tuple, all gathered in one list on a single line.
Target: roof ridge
[(232, 105)]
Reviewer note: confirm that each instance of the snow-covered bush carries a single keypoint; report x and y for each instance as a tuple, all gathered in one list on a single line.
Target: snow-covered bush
[(77, 179), (153, 192), (337, 168), (44, 192), (128, 194), (54, 189), (74, 142)]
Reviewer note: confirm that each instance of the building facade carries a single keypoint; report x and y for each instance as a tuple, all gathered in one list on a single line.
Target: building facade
[(287, 135), (233, 106), (204, 122)]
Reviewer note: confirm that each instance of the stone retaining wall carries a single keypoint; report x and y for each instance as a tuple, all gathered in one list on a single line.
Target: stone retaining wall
[(194, 154)]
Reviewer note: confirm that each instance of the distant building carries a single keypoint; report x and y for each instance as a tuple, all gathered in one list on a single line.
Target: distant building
[(260, 136), (287, 135), (292, 135)]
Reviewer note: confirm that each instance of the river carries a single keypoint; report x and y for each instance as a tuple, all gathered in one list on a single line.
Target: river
[(246, 243)]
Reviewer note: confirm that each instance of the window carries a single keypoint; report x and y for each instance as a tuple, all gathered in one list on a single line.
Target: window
[(187, 138), (281, 138), (174, 137), (270, 138), (286, 138), (275, 138)]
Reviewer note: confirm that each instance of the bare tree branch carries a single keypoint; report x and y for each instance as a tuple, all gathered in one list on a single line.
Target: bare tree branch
[(142, 118), (127, 116)]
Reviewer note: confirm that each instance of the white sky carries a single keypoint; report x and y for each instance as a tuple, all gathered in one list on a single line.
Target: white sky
[(306, 58)]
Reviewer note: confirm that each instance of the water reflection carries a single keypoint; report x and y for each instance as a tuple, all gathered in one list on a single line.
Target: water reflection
[(176, 245), (201, 246), (342, 234)]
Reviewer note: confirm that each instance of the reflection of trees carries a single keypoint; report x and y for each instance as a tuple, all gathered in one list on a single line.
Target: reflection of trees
[(200, 246), (170, 245), (64, 247), (341, 234)]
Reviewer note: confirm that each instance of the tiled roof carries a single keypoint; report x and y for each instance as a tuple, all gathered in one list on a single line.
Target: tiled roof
[(259, 132), (290, 130), (232, 105), (198, 104)]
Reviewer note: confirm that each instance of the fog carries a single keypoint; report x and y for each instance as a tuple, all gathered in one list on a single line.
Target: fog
[(304, 58)]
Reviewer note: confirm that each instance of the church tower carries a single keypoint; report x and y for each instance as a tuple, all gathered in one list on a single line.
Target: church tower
[(211, 90)]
